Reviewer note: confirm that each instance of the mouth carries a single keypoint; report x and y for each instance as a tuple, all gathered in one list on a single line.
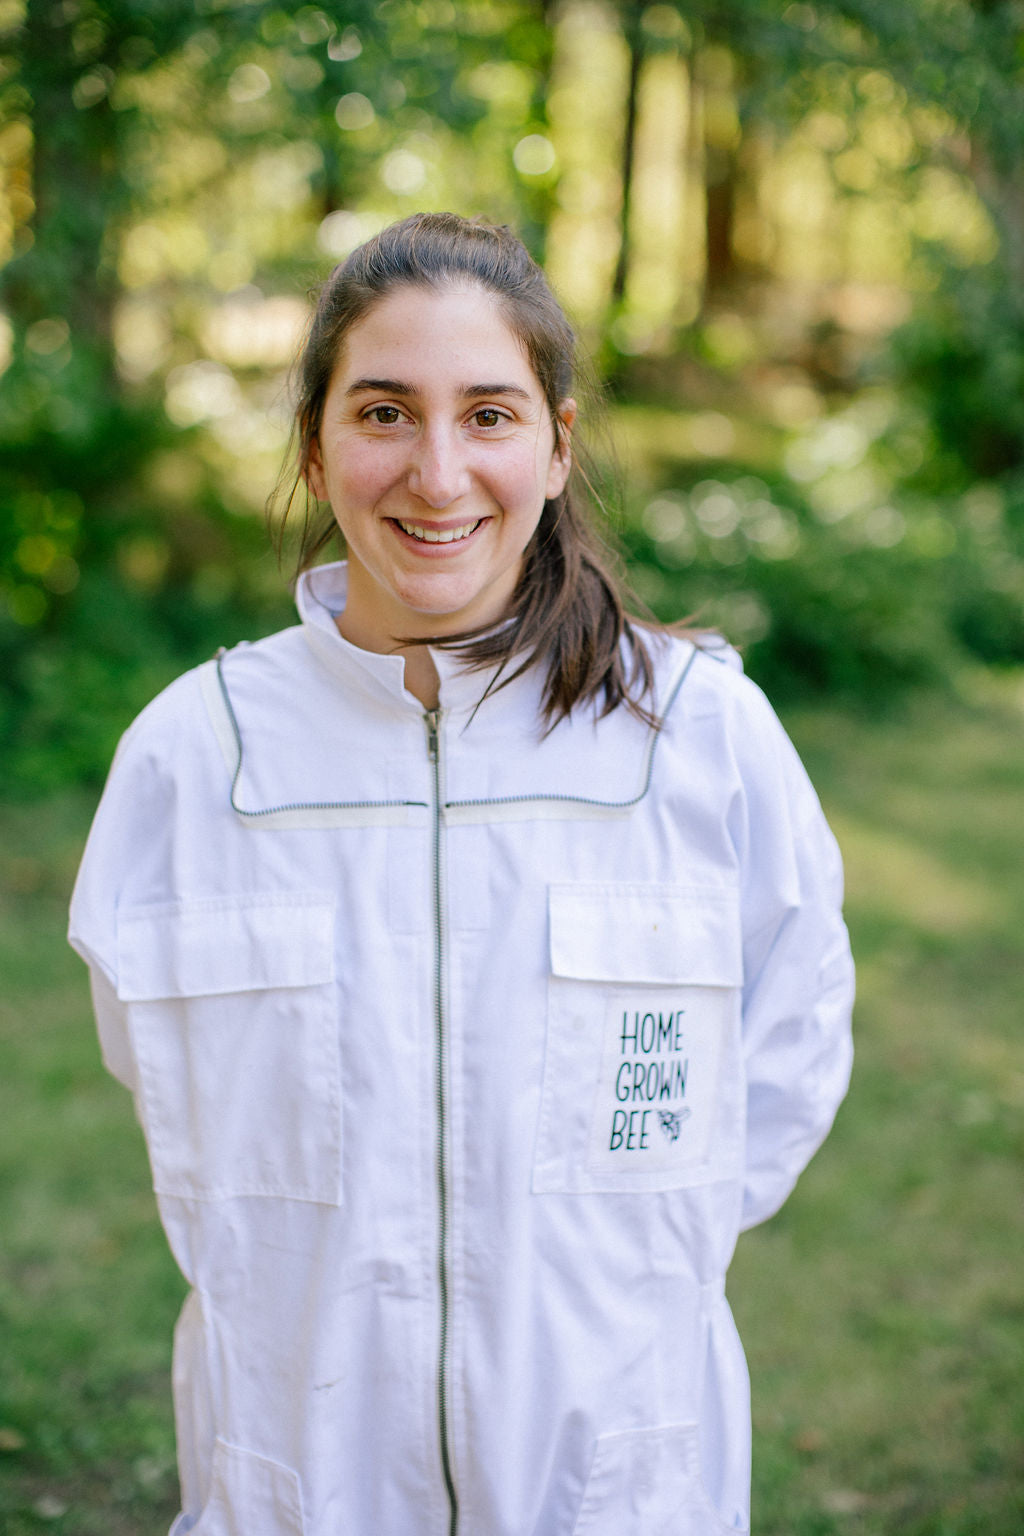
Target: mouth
[(438, 535)]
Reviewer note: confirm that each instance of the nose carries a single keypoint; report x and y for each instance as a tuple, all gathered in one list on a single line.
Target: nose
[(438, 473)]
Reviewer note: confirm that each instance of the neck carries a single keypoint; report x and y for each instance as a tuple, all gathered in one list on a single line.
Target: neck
[(421, 677)]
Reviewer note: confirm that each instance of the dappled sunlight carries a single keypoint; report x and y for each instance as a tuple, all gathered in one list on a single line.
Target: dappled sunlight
[(585, 106)]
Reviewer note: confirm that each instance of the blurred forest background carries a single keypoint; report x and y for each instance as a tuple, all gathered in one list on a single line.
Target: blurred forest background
[(792, 239), (791, 235)]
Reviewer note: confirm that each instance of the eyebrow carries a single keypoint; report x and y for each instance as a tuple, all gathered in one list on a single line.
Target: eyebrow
[(468, 392)]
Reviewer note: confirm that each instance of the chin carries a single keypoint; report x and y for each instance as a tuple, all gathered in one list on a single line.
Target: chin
[(452, 610)]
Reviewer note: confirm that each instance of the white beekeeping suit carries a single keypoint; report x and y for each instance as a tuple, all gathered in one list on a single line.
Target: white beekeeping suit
[(463, 1053)]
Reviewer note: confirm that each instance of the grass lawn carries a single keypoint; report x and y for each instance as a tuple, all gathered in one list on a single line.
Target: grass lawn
[(882, 1310)]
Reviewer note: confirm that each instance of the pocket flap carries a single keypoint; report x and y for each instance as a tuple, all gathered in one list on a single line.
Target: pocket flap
[(225, 944), (655, 933)]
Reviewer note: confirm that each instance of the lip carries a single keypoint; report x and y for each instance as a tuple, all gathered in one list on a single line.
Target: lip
[(437, 548)]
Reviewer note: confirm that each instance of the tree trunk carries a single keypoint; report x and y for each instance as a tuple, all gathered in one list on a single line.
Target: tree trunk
[(634, 39), (75, 184), (720, 192)]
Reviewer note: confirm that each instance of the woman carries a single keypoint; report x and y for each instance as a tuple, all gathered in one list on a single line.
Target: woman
[(474, 993)]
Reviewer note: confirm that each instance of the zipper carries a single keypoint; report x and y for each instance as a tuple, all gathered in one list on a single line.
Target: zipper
[(433, 722)]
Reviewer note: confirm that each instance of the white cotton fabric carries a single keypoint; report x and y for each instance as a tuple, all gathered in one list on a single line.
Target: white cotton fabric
[(639, 1003)]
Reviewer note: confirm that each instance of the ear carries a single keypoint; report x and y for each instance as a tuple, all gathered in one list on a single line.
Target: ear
[(561, 457), (313, 471)]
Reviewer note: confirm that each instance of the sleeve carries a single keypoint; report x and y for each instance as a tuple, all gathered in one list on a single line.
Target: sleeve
[(126, 841), (112, 1027), (798, 994)]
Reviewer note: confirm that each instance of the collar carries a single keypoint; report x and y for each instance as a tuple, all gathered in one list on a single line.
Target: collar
[(320, 597)]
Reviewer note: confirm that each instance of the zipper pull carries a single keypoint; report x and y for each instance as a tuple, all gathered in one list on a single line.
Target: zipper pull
[(433, 719)]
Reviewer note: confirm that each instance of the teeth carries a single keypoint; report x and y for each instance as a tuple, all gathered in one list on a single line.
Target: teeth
[(438, 535)]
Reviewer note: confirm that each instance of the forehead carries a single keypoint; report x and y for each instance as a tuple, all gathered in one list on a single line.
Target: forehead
[(420, 333)]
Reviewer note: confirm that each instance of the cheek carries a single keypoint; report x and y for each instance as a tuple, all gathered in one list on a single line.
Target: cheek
[(361, 473), (519, 479)]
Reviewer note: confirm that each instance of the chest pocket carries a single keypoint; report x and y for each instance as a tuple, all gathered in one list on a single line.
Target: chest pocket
[(643, 1086), (231, 1012)]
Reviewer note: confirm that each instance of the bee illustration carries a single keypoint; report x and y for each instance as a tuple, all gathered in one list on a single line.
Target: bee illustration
[(672, 1121)]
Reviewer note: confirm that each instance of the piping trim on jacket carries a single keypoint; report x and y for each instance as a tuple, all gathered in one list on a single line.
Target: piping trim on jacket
[(356, 813)]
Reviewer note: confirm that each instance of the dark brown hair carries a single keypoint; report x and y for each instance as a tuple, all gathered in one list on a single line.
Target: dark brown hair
[(568, 606)]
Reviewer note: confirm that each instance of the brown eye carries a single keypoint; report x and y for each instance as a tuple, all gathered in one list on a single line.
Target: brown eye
[(384, 415), (487, 417)]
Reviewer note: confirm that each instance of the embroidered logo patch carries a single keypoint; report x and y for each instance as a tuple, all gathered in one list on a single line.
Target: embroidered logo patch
[(658, 1084)]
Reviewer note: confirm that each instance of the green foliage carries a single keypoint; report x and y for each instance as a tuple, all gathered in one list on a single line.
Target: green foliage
[(962, 357), (852, 554), (170, 173), (960, 360), (109, 589), (187, 151), (835, 614)]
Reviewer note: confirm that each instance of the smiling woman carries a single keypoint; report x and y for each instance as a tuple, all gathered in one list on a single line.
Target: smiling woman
[(567, 604), (437, 452), (474, 954)]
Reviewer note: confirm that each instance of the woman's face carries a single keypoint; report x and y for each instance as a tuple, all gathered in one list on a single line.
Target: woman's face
[(436, 452)]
